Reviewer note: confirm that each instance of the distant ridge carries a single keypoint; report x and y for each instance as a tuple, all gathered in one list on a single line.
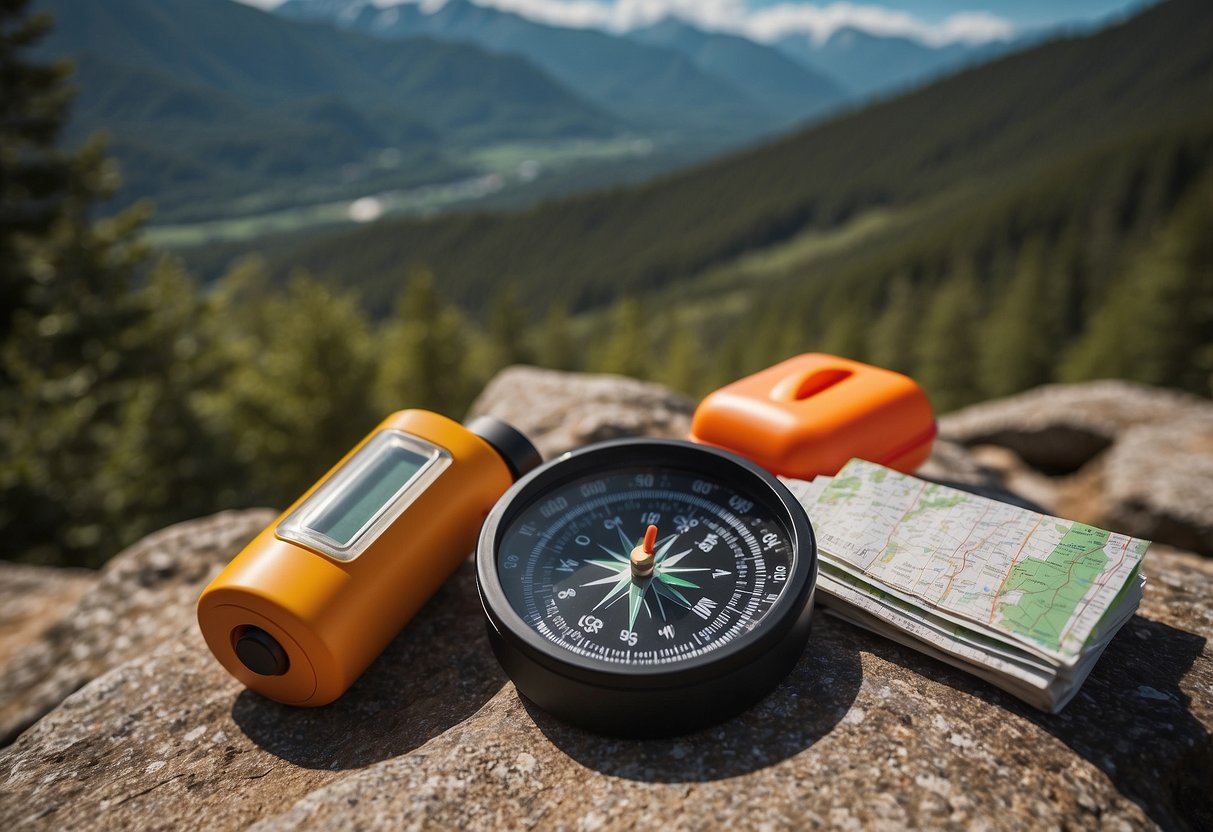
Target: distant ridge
[(209, 99), (648, 80), (872, 65), (993, 127)]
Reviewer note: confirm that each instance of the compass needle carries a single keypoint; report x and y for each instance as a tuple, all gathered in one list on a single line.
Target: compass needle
[(623, 540), (664, 546), (608, 579)]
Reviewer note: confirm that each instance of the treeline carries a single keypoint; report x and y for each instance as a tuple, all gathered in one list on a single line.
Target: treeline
[(131, 396), (1101, 268), (135, 403), (998, 124)]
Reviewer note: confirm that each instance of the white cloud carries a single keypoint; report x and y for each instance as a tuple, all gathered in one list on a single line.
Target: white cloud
[(766, 24), (819, 22)]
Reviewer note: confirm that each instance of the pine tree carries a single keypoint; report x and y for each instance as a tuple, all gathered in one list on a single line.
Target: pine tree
[(297, 388), (846, 334), (1021, 336), (891, 339), (1156, 325), (79, 344), (947, 342), (509, 330), (557, 348), (36, 179), (425, 353), (680, 365), (624, 348)]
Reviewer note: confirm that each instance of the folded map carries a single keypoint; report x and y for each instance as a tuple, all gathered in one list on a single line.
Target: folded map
[(1021, 599)]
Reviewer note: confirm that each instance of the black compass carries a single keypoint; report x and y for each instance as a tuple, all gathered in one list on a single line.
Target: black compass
[(647, 587)]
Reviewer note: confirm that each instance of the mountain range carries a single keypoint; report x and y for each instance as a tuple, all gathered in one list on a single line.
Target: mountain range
[(212, 101), (667, 77), (216, 109), (879, 65), (931, 160), (849, 65)]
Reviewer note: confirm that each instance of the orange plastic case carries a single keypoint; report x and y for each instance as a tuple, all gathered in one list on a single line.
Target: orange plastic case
[(333, 617), (810, 414)]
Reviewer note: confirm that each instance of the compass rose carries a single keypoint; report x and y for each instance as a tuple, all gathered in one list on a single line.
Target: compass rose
[(640, 567)]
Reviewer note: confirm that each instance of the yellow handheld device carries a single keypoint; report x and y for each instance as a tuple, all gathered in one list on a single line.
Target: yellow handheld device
[(303, 609)]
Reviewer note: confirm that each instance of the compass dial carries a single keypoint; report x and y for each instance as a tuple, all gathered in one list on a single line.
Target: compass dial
[(645, 566), (720, 561)]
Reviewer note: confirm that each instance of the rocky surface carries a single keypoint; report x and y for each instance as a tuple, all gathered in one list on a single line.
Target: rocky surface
[(31, 599), (1158, 482), (561, 411), (1119, 455), (864, 733), (143, 598), (1062, 427)]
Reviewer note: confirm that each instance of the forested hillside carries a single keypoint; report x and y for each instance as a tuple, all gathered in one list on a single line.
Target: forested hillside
[(1044, 217), (986, 234), (980, 133), (207, 102)]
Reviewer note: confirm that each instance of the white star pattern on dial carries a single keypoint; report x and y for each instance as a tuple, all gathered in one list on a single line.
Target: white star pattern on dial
[(664, 582)]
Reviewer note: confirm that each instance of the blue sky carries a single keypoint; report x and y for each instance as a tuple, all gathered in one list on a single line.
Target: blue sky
[(932, 21)]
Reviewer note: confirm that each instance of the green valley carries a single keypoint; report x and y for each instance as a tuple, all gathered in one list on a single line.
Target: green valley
[(974, 233)]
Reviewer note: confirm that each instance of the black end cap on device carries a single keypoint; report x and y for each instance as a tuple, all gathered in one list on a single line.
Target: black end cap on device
[(519, 455), (259, 651)]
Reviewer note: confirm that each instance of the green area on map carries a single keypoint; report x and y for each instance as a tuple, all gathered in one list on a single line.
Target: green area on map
[(1052, 588)]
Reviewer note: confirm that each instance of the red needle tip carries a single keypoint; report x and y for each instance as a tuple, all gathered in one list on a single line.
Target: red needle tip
[(650, 538)]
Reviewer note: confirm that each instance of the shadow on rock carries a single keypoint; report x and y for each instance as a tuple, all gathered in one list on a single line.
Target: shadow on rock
[(435, 674), (800, 711), (1130, 719)]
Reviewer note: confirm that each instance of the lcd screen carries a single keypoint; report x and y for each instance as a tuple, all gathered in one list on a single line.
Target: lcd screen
[(365, 495), (354, 504)]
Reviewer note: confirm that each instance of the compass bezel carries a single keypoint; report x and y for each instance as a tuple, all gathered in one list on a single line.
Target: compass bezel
[(770, 631)]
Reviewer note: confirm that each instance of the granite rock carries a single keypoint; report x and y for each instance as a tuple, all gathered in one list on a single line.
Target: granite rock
[(143, 729), (864, 733), (1158, 482), (1059, 428), (1122, 456), (142, 598), (31, 599), (561, 411), (167, 740)]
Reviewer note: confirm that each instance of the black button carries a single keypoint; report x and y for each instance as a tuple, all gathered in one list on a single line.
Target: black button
[(259, 651)]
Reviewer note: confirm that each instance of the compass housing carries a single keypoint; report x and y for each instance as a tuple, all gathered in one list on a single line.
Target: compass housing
[(649, 700)]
